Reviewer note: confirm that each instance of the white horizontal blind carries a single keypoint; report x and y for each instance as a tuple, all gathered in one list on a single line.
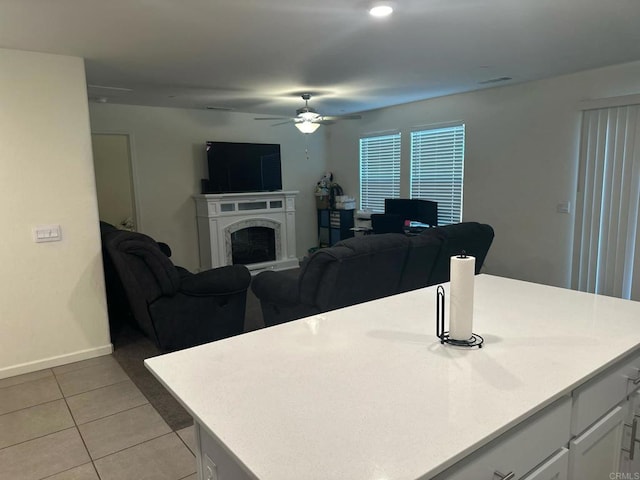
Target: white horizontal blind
[(379, 170), (437, 168), (606, 252)]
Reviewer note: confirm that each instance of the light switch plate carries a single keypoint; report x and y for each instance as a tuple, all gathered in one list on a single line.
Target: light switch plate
[(47, 233)]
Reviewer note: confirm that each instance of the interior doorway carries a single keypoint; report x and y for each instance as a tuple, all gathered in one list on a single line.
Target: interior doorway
[(114, 179)]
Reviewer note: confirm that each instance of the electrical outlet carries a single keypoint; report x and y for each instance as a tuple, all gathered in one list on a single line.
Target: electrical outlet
[(210, 470)]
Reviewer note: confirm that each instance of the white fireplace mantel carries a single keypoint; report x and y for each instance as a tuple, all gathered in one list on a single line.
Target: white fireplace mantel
[(219, 215)]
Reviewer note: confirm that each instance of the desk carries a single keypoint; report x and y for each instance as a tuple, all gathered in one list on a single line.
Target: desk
[(368, 392)]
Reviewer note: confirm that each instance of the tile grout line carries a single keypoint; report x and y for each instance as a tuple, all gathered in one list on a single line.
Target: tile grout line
[(138, 444), (77, 429), (30, 406), (183, 441), (77, 426), (50, 373), (97, 388), (96, 364), (68, 470), (37, 438), (37, 404), (114, 414), (28, 381), (91, 389)]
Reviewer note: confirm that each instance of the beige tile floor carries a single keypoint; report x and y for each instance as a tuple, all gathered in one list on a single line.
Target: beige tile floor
[(87, 421)]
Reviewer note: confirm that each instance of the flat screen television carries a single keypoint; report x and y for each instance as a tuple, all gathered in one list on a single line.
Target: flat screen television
[(243, 167), (413, 209)]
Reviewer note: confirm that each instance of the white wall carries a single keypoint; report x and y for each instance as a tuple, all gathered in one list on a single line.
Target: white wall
[(53, 308), (168, 149), (522, 146)]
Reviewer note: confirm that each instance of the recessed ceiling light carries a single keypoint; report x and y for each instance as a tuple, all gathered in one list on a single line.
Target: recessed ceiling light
[(381, 10)]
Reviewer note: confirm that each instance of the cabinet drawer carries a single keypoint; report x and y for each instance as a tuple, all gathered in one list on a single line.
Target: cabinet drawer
[(602, 393), (556, 468), (520, 450)]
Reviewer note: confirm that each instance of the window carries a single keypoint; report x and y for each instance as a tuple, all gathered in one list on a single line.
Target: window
[(437, 167), (379, 170), (606, 252)]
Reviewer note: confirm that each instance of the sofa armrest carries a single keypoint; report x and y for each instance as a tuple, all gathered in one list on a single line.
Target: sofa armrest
[(164, 248), (276, 287), (217, 281)]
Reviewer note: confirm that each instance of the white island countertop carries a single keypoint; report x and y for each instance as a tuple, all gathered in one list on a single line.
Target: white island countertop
[(368, 392)]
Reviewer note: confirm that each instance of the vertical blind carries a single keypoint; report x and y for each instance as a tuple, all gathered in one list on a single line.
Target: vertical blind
[(437, 168), (379, 170), (606, 253)]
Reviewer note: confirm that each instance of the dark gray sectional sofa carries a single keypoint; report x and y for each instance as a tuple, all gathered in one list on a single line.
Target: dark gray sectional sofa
[(368, 267)]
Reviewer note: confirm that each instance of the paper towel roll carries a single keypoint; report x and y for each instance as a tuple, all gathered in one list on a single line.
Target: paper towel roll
[(461, 297)]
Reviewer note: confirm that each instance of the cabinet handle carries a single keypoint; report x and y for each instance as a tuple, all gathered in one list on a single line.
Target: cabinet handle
[(503, 476), (636, 380), (634, 440)]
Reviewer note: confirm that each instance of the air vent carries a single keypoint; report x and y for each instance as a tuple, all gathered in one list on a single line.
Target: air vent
[(495, 80)]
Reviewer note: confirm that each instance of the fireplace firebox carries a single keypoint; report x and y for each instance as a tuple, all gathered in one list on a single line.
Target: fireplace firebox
[(253, 245)]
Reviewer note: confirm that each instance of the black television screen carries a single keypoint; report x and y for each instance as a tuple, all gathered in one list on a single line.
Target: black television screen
[(243, 167), (413, 209)]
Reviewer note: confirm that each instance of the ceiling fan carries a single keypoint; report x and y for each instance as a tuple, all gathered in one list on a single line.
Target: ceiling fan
[(307, 120)]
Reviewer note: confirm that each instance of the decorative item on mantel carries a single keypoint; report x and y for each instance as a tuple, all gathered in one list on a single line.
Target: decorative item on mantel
[(460, 332)]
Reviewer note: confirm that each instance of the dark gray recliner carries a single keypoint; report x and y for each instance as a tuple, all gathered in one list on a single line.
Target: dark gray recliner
[(365, 268), (353, 271), (173, 307), (473, 238)]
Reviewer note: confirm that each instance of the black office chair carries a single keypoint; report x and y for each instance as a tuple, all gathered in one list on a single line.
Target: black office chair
[(387, 223)]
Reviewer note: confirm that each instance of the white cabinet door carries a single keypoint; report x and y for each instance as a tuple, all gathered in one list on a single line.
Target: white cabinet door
[(596, 453), (556, 468), (630, 462)]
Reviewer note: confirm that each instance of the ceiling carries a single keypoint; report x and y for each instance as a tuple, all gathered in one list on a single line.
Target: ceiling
[(259, 56)]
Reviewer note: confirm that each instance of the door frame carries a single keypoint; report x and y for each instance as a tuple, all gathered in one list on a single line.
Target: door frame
[(132, 169)]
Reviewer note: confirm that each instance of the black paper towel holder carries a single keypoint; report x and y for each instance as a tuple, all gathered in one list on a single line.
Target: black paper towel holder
[(475, 340)]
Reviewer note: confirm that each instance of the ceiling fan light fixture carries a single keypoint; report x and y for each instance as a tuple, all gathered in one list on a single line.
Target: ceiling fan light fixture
[(308, 116), (307, 126), (381, 10)]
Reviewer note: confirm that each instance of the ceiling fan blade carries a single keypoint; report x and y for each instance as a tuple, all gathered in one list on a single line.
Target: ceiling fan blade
[(342, 117), (325, 121), (271, 118), (281, 123)]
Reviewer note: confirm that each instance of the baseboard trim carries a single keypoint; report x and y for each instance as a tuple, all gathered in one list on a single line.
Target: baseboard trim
[(51, 362)]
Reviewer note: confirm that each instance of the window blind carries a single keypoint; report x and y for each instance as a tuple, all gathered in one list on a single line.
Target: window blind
[(437, 169), (379, 170), (606, 252)]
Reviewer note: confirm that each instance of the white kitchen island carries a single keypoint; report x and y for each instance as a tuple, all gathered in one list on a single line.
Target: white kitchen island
[(369, 393)]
